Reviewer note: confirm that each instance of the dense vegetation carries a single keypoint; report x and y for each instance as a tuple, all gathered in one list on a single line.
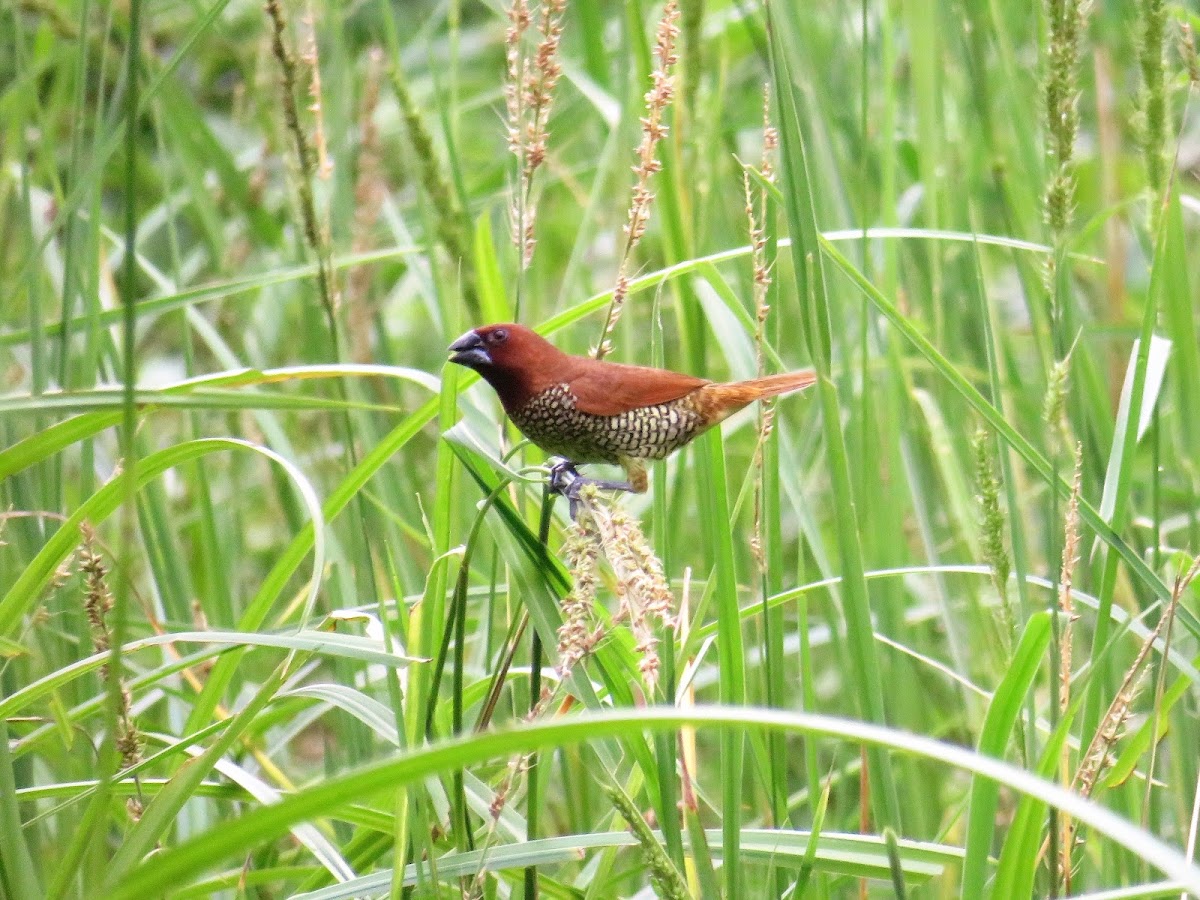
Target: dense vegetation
[(281, 595)]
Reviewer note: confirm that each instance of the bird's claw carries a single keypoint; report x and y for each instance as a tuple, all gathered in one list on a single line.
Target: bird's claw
[(566, 480)]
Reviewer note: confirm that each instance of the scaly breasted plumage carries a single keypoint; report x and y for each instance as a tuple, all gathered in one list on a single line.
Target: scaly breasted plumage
[(590, 411)]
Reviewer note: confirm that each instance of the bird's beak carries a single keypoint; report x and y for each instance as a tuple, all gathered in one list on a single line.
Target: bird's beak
[(469, 351)]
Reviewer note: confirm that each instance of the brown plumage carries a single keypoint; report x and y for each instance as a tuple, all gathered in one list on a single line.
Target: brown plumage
[(589, 411)]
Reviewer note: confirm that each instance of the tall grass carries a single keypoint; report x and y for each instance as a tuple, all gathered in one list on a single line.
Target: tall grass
[(281, 594)]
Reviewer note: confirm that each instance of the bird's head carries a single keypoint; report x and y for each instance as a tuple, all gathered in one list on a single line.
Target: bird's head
[(512, 358), (485, 347), (502, 346)]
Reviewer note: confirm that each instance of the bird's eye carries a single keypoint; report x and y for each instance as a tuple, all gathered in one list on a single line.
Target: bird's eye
[(499, 336)]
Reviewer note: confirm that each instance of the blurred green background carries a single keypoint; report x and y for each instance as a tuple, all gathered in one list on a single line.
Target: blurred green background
[(988, 204)]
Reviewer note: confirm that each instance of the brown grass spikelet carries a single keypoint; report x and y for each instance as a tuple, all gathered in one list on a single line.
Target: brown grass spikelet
[(1066, 601), (529, 88), (643, 595), (97, 604), (97, 598), (542, 79), (1098, 756), (575, 637), (1066, 606), (1187, 52), (311, 58), (654, 129), (515, 68), (756, 218)]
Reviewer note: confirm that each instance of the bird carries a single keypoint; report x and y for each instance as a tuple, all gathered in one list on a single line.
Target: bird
[(586, 410)]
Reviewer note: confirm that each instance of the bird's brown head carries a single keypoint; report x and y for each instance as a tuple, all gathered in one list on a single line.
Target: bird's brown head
[(513, 359)]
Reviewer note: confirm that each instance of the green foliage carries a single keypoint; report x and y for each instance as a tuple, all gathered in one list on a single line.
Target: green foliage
[(320, 632)]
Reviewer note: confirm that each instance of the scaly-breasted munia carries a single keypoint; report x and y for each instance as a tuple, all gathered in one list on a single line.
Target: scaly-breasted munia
[(589, 411)]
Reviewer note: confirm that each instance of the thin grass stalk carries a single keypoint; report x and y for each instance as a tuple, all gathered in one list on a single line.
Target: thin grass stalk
[(765, 540), (1096, 759), (314, 232), (109, 753), (399, 843), (1055, 418), (654, 129), (20, 871), (1061, 94), (1182, 582), (456, 613), (692, 39), (666, 756), (533, 792), (1065, 18), (756, 215), (1033, 458), (98, 608), (516, 77), (425, 620), (985, 312), (1126, 434), (815, 307), (529, 88), (715, 521), (670, 808), (702, 880), (1066, 606), (463, 834), (993, 528), (450, 219), (75, 242)]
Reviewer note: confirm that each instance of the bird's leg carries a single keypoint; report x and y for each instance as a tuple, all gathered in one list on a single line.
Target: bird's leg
[(635, 470), (566, 480)]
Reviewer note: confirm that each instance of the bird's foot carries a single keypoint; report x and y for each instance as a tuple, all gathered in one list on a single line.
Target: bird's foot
[(566, 480)]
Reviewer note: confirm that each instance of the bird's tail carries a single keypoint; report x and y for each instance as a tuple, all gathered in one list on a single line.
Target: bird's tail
[(720, 400), (774, 385)]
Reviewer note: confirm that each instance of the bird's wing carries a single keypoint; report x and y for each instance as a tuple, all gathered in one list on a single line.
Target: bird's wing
[(609, 389)]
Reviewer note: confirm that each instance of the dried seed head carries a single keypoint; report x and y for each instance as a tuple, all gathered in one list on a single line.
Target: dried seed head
[(654, 129), (311, 58), (97, 598), (1066, 598), (529, 89), (97, 603), (644, 597), (575, 637), (1187, 51)]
